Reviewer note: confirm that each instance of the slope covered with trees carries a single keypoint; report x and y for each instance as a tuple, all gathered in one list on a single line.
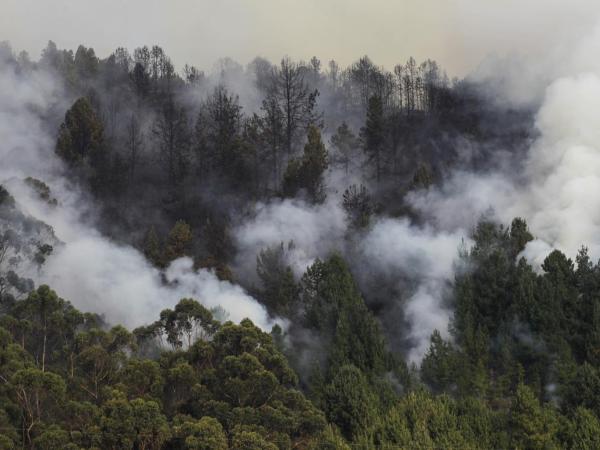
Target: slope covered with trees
[(172, 162)]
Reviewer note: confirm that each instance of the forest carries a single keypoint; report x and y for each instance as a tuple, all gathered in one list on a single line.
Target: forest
[(283, 256)]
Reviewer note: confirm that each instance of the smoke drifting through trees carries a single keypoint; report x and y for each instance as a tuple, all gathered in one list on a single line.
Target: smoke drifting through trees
[(371, 214), (199, 128), (552, 183), (99, 275)]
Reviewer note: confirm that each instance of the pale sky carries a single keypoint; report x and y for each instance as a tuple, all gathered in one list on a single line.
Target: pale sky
[(456, 33)]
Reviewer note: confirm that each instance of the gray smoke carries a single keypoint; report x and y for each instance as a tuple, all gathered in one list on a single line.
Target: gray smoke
[(393, 248), (555, 188), (88, 269)]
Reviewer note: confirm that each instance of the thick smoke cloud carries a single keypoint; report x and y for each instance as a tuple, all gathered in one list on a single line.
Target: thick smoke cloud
[(88, 269), (314, 231), (391, 248), (427, 258), (555, 188)]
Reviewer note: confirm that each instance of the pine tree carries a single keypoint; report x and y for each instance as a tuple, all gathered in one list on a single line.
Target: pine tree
[(80, 135), (178, 242), (373, 136), (152, 248), (307, 173)]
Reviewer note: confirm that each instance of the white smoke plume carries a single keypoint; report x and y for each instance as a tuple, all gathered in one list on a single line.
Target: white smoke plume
[(392, 247), (91, 271), (425, 256), (555, 189), (315, 231)]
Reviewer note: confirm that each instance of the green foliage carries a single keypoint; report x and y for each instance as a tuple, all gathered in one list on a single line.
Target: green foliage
[(203, 434), (69, 382), (584, 432), (80, 137), (246, 440), (178, 241), (307, 173), (222, 385), (423, 177), (334, 307), (152, 248), (350, 402), (279, 289), (532, 426), (184, 325), (438, 368)]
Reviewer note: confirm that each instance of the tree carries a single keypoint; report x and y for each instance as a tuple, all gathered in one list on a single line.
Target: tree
[(42, 190), (333, 73), (423, 177), (189, 320), (373, 136), (43, 309), (150, 425), (99, 356), (350, 403), (54, 438), (203, 434), (152, 248), (438, 366), (80, 135), (248, 440), (334, 307), (86, 62), (422, 421), (307, 172), (585, 431), (532, 427), (142, 378), (171, 133), (36, 392), (178, 242), (117, 424), (363, 74), (193, 76), (140, 80), (345, 145), (358, 206), (279, 289), (272, 127), (295, 99), (220, 122)]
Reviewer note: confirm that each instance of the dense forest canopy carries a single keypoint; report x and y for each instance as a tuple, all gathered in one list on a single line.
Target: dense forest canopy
[(293, 255)]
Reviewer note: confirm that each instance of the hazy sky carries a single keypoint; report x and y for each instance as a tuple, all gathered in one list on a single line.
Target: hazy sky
[(457, 33)]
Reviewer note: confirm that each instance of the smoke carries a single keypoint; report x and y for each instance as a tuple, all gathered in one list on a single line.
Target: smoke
[(88, 269), (397, 248), (392, 248), (555, 188), (314, 231), (517, 66)]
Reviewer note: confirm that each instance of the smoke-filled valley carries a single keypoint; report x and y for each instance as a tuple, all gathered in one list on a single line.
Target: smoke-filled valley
[(296, 254)]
